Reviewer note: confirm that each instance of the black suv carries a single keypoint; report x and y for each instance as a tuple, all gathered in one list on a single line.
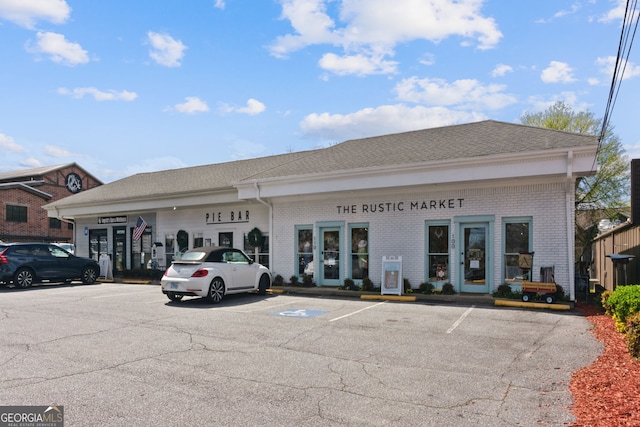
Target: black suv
[(24, 264)]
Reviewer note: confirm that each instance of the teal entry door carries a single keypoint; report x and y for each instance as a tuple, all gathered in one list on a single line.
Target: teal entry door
[(329, 265), (474, 260)]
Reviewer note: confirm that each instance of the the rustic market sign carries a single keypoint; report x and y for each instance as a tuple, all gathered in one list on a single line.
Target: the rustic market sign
[(414, 205)]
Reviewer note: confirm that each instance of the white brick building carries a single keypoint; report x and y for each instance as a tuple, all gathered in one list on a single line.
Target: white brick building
[(457, 203)]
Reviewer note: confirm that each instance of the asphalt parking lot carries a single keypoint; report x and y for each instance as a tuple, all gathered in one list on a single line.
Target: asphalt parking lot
[(117, 354)]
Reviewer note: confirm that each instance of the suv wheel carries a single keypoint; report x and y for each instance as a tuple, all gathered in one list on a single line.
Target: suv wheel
[(23, 278), (89, 275)]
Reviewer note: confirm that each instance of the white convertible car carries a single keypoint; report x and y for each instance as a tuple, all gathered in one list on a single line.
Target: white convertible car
[(213, 272)]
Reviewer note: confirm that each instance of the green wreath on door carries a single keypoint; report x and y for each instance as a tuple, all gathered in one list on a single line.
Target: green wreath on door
[(255, 237)]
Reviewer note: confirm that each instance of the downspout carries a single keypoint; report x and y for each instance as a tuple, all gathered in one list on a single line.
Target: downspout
[(255, 183), (68, 221), (570, 212)]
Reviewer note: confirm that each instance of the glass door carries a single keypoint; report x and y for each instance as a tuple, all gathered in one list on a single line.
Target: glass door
[(119, 249), (329, 270), (473, 258)]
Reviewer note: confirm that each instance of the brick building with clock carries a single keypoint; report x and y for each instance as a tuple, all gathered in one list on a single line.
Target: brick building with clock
[(24, 192)]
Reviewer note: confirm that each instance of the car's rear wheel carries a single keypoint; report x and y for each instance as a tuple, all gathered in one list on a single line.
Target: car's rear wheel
[(89, 275), (263, 284), (175, 297), (24, 278), (216, 290)]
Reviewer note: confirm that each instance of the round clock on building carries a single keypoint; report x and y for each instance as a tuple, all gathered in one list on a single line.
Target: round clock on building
[(73, 182)]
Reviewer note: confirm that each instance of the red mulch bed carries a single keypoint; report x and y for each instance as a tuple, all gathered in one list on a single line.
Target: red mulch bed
[(607, 393)]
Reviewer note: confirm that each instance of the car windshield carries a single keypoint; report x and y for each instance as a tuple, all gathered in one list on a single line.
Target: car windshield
[(193, 256)]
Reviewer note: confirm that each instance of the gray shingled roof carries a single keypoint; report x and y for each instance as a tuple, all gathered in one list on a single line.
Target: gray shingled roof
[(26, 174), (206, 178), (465, 141)]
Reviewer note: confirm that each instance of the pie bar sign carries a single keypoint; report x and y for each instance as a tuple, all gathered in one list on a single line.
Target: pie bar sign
[(73, 182)]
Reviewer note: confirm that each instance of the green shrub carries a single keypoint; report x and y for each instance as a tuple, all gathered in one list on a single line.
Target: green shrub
[(367, 284), (407, 286), (293, 280), (624, 302), (503, 291), (604, 298), (559, 293), (349, 285), (426, 288), (633, 335), (278, 280), (447, 289)]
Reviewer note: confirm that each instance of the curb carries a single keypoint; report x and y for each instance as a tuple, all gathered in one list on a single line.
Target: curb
[(387, 298), (522, 304)]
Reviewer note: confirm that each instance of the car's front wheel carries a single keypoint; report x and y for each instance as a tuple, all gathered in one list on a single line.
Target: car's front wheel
[(216, 290), (89, 275), (263, 285), (23, 278)]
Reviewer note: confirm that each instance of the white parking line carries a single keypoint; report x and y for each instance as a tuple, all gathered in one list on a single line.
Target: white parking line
[(120, 295), (356, 312), (464, 315)]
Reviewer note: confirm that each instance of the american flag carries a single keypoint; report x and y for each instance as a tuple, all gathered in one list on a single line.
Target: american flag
[(140, 226)]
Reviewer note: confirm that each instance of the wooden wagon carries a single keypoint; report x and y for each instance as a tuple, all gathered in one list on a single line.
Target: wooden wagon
[(531, 289)]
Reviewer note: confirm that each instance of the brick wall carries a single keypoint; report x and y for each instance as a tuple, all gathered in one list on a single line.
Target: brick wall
[(37, 226), (402, 233)]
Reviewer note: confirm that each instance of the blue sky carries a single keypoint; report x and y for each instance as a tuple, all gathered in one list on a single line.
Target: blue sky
[(122, 87)]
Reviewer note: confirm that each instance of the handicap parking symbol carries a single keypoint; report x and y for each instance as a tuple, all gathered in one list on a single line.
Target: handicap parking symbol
[(299, 313)]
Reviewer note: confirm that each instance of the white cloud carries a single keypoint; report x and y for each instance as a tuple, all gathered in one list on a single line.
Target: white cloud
[(608, 64), (373, 28), (148, 165), (26, 12), (539, 104), (501, 70), (615, 14), (382, 120), (58, 152), (219, 4), (192, 105), (31, 162), (359, 64), (59, 49), (8, 144), (98, 95), (557, 72), (253, 107), (165, 49), (467, 93)]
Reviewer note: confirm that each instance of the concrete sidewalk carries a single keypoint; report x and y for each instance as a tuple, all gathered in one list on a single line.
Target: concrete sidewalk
[(457, 299)]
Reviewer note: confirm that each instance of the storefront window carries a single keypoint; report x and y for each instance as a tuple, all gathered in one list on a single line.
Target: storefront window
[(304, 252), (198, 240), (260, 253), (359, 251), (517, 239), (141, 250), (438, 252), (225, 239)]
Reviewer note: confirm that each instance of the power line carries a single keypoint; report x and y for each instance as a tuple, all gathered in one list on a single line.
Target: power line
[(624, 49)]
